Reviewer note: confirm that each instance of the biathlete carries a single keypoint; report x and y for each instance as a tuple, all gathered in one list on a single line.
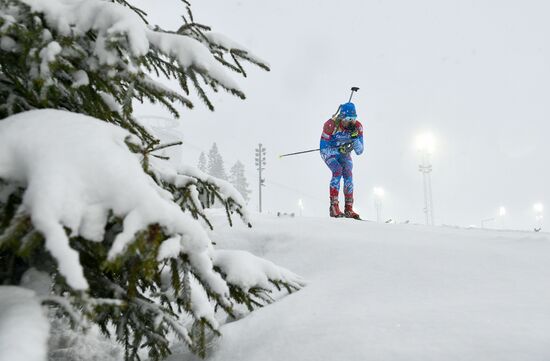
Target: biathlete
[(341, 135)]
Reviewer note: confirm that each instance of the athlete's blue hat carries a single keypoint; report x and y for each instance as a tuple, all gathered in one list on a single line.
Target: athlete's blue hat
[(347, 110)]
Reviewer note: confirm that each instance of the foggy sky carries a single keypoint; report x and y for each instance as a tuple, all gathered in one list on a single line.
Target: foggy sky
[(475, 73)]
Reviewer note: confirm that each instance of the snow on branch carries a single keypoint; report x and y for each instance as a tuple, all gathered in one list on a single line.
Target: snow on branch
[(115, 22), (246, 271), (112, 20), (77, 189), (190, 53), (198, 184)]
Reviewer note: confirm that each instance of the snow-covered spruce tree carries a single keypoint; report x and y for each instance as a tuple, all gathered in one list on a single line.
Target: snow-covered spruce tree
[(117, 229), (238, 180), (216, 166), (202, 162)]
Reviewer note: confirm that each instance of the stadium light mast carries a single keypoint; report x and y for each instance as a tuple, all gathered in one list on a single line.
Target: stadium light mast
[(378, 196), (501, 213), (538, 208), (426, 146), (260, 163), (301, 206)]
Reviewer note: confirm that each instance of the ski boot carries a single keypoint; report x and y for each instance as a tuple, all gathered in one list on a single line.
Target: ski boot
[(334, 209), (349, 212)]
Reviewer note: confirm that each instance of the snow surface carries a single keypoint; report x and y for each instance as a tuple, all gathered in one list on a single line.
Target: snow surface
[(23, 327), (66, 344), (393, 292)]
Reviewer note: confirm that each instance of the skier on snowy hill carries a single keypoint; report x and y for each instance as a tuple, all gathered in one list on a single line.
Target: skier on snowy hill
[(342, 134)]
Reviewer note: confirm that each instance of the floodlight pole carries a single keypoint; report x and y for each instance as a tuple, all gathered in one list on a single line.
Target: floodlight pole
[(538, 217), (378, 195), (426, 168), (300, 206), (378, 206), (260, 162)]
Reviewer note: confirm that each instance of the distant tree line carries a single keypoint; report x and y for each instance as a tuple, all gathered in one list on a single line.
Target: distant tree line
[(215, 166)]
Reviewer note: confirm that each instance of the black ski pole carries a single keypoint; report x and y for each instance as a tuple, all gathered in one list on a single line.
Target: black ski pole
[(312, 150), (302, 152)]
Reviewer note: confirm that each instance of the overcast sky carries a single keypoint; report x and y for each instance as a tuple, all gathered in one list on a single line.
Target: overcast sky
[(475, 73)]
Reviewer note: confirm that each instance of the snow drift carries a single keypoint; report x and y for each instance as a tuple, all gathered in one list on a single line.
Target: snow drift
[(394, 292)]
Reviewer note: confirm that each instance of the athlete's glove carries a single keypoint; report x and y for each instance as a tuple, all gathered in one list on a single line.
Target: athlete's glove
[(345, 148), (354, 132)]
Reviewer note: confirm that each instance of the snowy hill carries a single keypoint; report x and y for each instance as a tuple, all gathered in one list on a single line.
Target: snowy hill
[(394, 292)]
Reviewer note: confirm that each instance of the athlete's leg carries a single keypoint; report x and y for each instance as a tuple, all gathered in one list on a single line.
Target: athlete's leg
[(347, 172), (334, 188), (336, 169)]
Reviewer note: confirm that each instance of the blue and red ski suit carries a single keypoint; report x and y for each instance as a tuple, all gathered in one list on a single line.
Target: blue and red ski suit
[(333, 136)]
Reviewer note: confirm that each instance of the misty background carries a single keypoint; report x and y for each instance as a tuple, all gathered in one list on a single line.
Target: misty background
[(474, 73)]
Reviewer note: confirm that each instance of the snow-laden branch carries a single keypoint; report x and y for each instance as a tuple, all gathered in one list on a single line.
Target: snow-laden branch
[(182, 175), (246, 271), (112, 22), (76, 170)]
